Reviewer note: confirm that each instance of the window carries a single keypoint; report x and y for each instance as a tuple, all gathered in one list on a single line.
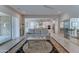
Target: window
[(9, 28), (72, 28), (31, 24), (15, 27), (5, 28)]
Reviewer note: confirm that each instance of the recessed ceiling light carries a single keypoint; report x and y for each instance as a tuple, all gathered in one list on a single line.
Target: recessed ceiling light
[(59, 12)]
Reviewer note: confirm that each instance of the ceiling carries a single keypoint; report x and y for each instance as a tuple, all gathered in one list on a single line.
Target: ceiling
[(72, 10), (36, 10)]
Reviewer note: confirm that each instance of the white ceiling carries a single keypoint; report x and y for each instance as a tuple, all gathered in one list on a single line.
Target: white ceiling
[(36, 10), (72, 10)]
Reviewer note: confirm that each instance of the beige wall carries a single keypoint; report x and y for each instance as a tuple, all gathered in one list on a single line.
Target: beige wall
[(22, 25)]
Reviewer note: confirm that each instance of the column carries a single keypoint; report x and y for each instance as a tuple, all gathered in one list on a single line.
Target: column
[(57, 25)]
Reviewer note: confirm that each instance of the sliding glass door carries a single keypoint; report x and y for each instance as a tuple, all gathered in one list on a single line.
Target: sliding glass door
[(5, 28), (9, 27), (15, 27)]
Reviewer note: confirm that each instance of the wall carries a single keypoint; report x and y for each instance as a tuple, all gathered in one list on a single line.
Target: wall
[(45, 24), (22, 25)]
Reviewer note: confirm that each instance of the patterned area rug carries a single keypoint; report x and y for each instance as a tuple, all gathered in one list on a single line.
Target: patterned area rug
[(37, 46)]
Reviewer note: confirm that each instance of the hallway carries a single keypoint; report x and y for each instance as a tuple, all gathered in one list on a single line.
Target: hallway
[(39, 29)]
